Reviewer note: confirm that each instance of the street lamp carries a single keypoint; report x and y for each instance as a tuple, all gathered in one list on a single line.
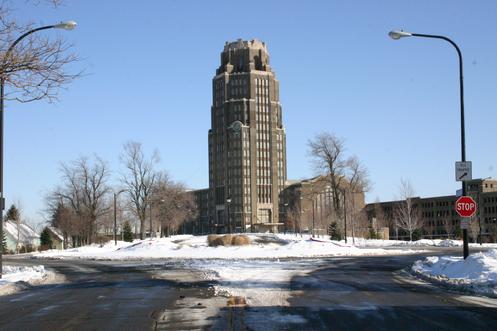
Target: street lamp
[(150, 213), (228, 203), (115, 215), (396, 35), (69, 25), (312, 201)]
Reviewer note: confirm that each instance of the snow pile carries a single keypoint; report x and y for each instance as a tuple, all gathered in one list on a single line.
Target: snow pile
[(15, 278), (195, 247), (361, 242), (478, 273)]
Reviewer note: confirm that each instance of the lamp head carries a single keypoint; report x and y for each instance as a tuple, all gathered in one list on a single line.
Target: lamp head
[(396, 34), (68, 25)]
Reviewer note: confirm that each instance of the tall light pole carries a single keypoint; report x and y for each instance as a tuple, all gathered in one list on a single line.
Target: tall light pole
[(344, 214), (402, 34), (228, 203), (69, 25), (115, 215)]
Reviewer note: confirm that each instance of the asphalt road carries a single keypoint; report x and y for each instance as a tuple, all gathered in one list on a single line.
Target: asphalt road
[(363, 293), (96, 296)]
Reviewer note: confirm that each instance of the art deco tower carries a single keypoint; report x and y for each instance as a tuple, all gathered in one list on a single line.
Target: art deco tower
[(247, 147)]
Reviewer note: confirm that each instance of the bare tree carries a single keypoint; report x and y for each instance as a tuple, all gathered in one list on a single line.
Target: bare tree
[(37, 67), (63, 218), (327, 152), (84, 190), (406, 212), (358, 184), (139, 179), (474, 228), (174, 205), (448, 226)]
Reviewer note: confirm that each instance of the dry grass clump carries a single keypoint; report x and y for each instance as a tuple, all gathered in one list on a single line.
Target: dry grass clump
[(214, 240), (240, 240), (227, 240)]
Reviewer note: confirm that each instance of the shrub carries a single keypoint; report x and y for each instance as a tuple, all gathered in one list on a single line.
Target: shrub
[(416, 234), (43, 248), (372, 234), (127, 235)]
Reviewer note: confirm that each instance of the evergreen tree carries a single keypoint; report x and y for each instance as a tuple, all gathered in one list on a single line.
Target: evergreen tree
[(334, 232), (373, 234), (127, 235), (45, 239), (12, 214)]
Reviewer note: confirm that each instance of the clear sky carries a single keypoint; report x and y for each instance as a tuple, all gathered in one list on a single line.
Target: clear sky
[(150, 65)]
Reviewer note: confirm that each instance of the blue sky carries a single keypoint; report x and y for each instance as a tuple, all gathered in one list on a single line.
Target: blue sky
[(149, 67)]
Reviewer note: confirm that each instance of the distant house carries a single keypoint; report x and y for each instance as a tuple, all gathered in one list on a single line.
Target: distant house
[(57, 237), (27, 237)]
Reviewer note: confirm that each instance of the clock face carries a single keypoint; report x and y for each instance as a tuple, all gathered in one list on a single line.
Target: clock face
[(237, 126)]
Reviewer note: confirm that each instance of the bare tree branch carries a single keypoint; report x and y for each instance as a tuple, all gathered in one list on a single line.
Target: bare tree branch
[(406, 212), (37, 67), (139, 180)]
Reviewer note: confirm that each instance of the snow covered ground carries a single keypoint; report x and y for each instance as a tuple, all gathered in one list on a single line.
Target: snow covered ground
[(476, 274), (361, 242), (195, 247), (15, 278)]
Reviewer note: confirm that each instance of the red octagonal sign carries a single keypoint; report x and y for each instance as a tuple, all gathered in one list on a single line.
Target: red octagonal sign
[(465, 206)]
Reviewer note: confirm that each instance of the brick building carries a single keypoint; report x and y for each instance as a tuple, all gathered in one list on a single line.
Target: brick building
[(438, 215)]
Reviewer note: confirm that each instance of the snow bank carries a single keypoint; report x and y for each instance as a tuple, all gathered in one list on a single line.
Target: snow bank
[(15, 278), (477, 274), (195, 247), (361, 242)]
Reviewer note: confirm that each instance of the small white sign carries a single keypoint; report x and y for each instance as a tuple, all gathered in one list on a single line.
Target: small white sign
[(463, 171), (465, 223)]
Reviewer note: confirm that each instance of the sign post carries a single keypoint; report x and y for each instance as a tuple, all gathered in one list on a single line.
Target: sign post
[(465, 207)]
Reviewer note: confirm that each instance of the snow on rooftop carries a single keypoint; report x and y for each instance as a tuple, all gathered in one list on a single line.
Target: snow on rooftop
[(26, 233), (57, 232)]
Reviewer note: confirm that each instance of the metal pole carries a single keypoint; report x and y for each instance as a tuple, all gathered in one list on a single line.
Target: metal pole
[(229, 218), (463, 136), (150, 217), (312, 200), (115, 219), (2, 95), (345, 215)]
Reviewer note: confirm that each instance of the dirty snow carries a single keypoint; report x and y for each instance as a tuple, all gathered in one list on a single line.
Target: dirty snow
[(195, 247), (15, 278), (478, 273), (260, 282)]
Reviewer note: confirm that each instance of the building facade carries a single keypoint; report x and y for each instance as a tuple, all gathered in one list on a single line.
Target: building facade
[(308, 208), (247, 144), (439, 219)]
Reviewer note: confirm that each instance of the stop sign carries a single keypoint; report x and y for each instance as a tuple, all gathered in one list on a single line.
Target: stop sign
[(465, 206)]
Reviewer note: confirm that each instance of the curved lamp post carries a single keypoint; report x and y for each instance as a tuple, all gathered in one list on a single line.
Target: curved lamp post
[(69, 25), (396, 35)]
